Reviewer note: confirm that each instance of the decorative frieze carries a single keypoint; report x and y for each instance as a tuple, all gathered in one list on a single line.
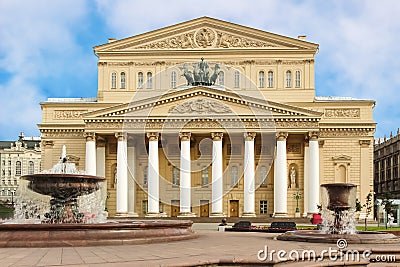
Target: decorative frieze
[(342, 113), (339, 132), (68, 114), (201, 106), (205, 38)]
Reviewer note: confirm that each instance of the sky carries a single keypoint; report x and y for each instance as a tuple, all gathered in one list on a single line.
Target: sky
[(46, 47)]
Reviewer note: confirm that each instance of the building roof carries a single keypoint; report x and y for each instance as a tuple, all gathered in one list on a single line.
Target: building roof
[(72, 100)]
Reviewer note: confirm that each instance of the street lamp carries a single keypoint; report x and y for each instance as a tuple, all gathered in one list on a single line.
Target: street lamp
[(12, 197), (297, 196)]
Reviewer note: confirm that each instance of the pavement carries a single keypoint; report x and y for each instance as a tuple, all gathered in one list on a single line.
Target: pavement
[(211, 248)]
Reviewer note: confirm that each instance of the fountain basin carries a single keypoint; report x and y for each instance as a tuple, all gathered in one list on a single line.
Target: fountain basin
[(63, 186), (113, 233), (361, 237)]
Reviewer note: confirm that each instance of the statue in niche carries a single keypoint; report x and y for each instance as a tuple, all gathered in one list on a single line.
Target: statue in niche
[(292, 177)]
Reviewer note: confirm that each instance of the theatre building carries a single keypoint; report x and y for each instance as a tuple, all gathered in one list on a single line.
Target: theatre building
[(209, 118)]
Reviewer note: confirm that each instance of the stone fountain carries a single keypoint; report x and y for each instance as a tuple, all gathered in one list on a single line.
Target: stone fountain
[(338, 214), (59, 216)]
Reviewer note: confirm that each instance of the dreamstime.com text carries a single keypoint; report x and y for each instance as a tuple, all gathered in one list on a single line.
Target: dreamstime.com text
[(333, 254)]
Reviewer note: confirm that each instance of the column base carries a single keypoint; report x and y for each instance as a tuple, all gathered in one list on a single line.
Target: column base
[(121, 214), (133, 214), (280, 215), (249, 215), (156, 214), (297, 215), (186, 215), (217, 215)]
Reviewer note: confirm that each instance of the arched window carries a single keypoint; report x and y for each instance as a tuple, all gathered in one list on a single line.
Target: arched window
[(113, 80), (173, 79), (123, 80), (236, 79), (175, 176), (31, 167), (234, 176), (140, 80), (204, 177), (297, 78), (288, 79), (261, 79), (221, 78), (18, 168), (270, 79), (149, 80), (263, 175), (145, 175)]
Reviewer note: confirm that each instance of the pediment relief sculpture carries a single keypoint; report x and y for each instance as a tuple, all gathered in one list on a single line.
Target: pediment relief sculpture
[(200, 106), (206, 37)]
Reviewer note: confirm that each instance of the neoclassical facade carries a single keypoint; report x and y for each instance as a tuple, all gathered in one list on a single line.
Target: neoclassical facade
[(209, 118)]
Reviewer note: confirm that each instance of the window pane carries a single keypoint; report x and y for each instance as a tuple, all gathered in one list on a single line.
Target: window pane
[(140, 80), (237, 82), (204, 176), (270, 79), (297, 78), (175, 176), (288, 78), (234, 176), (123, 80), (173, 79), (31, 167), (18, 168), (261, 79), (221, 78), (114, 80), (149, 80)]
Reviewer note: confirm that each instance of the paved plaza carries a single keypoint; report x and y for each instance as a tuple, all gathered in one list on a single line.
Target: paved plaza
[(212, 248)]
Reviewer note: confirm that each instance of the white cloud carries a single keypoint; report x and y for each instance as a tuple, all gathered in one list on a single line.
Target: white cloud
[(37, 45)]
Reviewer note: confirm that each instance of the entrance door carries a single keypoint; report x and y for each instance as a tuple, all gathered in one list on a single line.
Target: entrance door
[(175, 208), (204, 208), (234, 208)]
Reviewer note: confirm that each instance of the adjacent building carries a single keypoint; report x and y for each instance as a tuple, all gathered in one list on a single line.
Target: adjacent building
[(17, 158), (211, 118)]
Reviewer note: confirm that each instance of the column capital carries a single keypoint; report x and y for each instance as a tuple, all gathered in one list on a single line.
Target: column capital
[(185, 136), (89, 136), (48, 143), (153, 136), (249, 136), (364, 142), (217, 136), (100, 141), (121, 136), (313, 136), (281, 136)]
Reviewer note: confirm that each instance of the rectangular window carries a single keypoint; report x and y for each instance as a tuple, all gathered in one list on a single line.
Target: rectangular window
[(263, 207), (175, 176)]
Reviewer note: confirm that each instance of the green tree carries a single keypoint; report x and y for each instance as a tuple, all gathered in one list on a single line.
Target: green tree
[(387, 204), (368, 208)]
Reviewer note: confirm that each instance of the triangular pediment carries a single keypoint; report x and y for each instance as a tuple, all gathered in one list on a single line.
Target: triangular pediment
[(205, 33), (202, 101)]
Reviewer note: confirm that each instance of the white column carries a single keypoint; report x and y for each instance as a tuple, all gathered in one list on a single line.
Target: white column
[(185, 176), (90, 162), (313, 171), (101, 166), (280, 177), (153, 184), (131, 177), (217, 178), (101, 157), (122, 176), (306, 177), (249, 179)]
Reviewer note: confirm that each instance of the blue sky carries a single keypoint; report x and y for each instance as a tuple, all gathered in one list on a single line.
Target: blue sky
[(46, 47)]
